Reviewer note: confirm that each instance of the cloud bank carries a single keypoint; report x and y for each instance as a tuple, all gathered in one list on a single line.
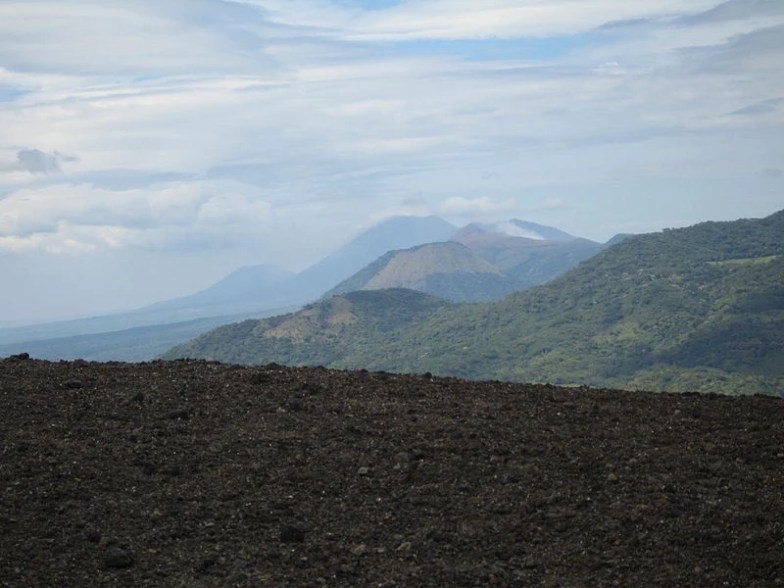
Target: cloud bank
[(207, 123)]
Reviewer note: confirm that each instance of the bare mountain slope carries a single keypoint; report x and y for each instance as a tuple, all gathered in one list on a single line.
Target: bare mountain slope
[(449, 270)]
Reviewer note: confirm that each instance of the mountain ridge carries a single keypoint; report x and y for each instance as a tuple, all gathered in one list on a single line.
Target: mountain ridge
[(449, 270), (622, 318), (247, 290)]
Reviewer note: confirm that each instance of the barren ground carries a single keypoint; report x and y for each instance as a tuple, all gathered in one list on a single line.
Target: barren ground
[(201, 474)]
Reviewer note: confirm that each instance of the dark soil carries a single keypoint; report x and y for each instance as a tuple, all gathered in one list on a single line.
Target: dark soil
[(201, 474)]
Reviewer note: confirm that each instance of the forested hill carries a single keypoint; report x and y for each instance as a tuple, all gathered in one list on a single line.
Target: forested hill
[(695, 308), (700, 308), (354, 329)]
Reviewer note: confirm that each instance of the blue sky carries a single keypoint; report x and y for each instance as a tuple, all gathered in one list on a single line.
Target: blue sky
[(147, 148)]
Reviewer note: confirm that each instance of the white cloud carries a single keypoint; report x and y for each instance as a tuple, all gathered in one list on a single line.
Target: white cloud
[(405, 209), (468, 19), (202, 123), (61, 217), (36, 161), (480, 207), (311, 119), (114, 37), (554, 203)]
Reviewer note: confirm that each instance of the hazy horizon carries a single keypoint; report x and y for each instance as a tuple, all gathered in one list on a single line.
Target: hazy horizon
[(148, 149)]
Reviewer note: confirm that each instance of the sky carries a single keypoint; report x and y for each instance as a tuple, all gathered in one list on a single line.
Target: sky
[(148, 148)]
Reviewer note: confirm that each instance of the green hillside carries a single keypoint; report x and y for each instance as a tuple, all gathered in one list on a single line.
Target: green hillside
[(700, 308), (345, 331), (531, 263)]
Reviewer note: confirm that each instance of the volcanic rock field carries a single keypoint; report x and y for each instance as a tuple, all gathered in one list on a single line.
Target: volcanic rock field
[(193, 473)]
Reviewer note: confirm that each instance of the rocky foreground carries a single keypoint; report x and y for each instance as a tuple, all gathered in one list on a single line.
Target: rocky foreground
[(202, 474)]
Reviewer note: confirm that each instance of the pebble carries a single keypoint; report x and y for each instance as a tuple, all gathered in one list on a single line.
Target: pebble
[(117, 558), (73, 384), (180, 413), (292, 534)]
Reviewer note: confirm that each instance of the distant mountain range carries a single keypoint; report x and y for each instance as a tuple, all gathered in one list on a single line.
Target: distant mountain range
[(483, 262), (394, 233), (132, 344), (700, 308), (243, 290), (248, 291)]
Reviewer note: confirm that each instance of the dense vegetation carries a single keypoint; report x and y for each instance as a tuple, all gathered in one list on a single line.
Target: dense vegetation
[(535, 264), (355, 326), (700, 308)]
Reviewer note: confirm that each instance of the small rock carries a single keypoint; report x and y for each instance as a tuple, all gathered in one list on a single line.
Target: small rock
[(138, 397), (363, 471), (405, 546), (360, 549), (311, 388), (148, 468), (259, 378), (117, 558), (20, 357), (178, 414), (73, 384), (174, 469), (612, 477), (530, 563), (292, 534)]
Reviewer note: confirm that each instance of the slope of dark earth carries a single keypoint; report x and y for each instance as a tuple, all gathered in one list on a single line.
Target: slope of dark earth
[(202, 474)]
